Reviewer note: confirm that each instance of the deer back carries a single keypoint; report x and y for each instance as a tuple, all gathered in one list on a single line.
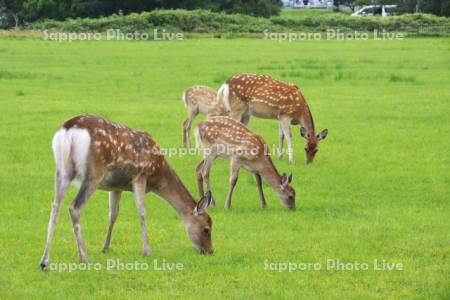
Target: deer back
[(268, 93), (115, 146), (230, 138), (205, 100)]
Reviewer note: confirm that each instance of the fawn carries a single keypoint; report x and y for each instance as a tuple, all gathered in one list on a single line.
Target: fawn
[(225, 137)]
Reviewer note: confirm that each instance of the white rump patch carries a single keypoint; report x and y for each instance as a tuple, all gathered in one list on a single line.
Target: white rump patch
[(183, 97), (71, 149), (226, 91)]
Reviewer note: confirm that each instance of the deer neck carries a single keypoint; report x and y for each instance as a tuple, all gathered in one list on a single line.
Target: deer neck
[(270, 174), (170, 187)]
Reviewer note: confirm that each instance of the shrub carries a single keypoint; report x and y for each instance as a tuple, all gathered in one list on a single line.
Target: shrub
[(204, 21)]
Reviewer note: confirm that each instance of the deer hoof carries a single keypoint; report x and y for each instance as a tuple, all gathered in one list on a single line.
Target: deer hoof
[(43, 265), (147, 252)]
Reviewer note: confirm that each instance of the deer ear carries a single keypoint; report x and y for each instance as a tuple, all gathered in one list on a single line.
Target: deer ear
[(204, 202), (285, 180), (303, 132), (322, 135)]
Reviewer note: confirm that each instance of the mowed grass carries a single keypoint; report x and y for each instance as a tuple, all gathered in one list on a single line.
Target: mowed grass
[(378, 189)]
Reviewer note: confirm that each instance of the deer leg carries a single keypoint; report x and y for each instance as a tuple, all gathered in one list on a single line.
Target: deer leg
[(280, 141), (286, 127), (245, 119), (185, 140), (206, 168), (139, 187), (235, 166), (262, 199), (114, 199), (86, 190), (187, 129), (200, 179), (61, 184)]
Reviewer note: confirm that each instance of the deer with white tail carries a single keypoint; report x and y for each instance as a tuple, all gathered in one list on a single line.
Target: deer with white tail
[(225, 137), (203, 100), (265, 97), (96, 154)]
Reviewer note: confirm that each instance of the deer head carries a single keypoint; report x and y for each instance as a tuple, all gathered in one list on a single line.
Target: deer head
[(312, 143), (199, 225), (286, 192)]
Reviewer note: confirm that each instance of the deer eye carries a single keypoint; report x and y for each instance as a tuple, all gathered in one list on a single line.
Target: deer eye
[(206, 231)]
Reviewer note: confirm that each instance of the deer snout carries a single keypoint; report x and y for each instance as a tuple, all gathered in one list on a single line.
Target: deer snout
[(205, 251)]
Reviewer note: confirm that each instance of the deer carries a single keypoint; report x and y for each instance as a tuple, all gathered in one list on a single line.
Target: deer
[(94, 153), (263, 96), (222, 136), (200, 99)]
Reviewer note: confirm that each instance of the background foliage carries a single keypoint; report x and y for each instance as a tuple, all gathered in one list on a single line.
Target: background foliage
[(203, 21), (15, 12)]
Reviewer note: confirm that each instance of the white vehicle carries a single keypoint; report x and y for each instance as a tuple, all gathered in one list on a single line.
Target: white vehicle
[(374, 10)]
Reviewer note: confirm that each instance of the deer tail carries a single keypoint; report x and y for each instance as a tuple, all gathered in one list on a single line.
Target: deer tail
[(225, 90)]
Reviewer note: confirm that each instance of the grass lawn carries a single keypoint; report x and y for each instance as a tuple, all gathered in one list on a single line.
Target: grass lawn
[(378, 189)]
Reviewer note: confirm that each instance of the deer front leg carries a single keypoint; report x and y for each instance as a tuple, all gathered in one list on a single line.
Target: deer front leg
[(61, 184), (262, 199), (235, 166), (139, 195), (198, 171), (245, 119), (280, 141), (114, 199), (205, 171), (286, 127)]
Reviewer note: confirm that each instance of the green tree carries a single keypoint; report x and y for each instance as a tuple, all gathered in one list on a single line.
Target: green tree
[(11, 9)]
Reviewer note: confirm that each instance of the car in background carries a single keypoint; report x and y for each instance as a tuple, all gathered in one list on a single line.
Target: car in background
[(375, 10)]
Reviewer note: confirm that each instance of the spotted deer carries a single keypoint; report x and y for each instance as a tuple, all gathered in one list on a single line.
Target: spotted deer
[(95, 153), (200, 99), (265, 97), (225, 137)]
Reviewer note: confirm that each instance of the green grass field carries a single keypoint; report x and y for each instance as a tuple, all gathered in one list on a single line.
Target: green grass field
[(378, 189)]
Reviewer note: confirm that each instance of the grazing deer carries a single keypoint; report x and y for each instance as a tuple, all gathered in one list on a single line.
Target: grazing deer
[(98, 154), (223, 136), (200, 99), (265, 97)]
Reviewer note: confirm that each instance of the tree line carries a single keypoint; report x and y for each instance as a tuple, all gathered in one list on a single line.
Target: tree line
[(16, 12), (19, 11)]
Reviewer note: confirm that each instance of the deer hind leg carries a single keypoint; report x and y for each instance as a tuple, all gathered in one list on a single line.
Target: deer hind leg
[(262, 199), (280, 141), (286, 127), (187, 128), (139, 188), (62, 182), (114, 199), (88, 187), (234, 172)]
